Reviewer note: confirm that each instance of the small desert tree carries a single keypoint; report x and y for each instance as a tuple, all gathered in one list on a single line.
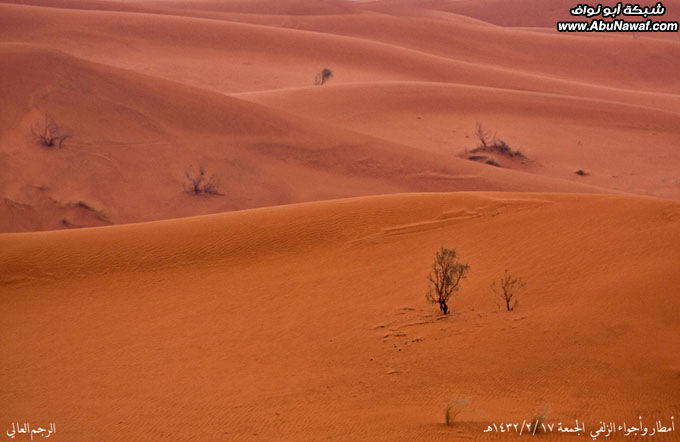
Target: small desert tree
[(199, 182), (507, 289), (445, 277), (48, 133), (323, 76)]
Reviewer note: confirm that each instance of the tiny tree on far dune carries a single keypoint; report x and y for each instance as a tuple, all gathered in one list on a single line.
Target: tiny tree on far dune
[(48, 133), (445, 277), (507, 289), (323, 76), (200, 183)]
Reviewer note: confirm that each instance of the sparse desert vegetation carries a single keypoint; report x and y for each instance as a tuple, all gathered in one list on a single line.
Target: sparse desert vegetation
[(66, 222), (323, 76), (490, 145), (453, 408), (484, 136), (48, 133), (199, 182), (507, 289), (538, 419), (445, 277)]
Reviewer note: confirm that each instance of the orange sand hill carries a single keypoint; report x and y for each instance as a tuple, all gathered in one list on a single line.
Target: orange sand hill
[(136, 135), (309, 322), (149, 88)]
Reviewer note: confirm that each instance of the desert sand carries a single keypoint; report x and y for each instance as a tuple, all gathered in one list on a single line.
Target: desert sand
[(290, 304)]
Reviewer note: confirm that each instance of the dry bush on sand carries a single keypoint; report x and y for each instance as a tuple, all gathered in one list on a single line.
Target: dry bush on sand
[(489, 143), (537, 420), (445, 277), (453, 409), (198, 182), (48, 133), (507, 289), (323, 76)]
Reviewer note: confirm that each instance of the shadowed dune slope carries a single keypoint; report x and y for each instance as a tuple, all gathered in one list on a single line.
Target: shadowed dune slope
[(297, 322)]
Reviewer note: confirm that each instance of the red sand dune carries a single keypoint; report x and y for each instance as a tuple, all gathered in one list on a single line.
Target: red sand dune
[(309, 321), (134, 136), (620, 125), (236, 57), (292, 305), (560, 135)]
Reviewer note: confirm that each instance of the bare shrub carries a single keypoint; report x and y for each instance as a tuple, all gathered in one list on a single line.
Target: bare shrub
[(445, 277), (198, 182), (48, 133), (484, 136), (489, 143), (453, 409), (323, 76), (507, 289), (68, 223), (537, 420)]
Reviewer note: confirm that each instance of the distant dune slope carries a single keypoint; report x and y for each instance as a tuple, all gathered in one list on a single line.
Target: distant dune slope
[(232, 56), (621, 60), (625, 147), (149, 88), (308, 321), (134, 136)]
